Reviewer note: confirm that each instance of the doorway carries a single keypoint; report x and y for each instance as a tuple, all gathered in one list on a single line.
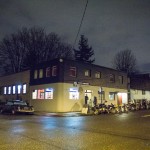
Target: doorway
[(88, 94)]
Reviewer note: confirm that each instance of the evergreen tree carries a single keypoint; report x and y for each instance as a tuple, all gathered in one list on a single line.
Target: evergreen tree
[(85, 52)]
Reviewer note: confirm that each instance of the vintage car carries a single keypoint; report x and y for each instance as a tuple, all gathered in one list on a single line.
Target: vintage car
[(2, 104), (17, 106)]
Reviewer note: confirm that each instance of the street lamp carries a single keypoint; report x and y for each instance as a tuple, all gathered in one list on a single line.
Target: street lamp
[(100, 92)]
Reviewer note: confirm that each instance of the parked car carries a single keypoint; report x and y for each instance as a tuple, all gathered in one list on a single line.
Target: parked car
[(17, 106), (2, 104)]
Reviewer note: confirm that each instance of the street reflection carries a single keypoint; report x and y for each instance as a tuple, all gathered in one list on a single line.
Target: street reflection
[(17, 126), (71, 122), (18, 129), (123, 116)]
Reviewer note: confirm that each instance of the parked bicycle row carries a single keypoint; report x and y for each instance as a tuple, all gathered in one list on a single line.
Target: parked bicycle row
[(106, 109)]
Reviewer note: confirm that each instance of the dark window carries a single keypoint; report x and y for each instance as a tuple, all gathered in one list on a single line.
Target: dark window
[(72, 71), (48, 72), (54, 71), (121, 79), (35, 74), (97, 75), (41, 73), (111, 78)]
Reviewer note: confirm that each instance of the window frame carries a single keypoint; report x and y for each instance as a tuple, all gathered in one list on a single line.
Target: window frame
[(24, 89), (5, 90), (14, 89), (111, 96), (97, 74), (54, 71), (40, 73), (48, 72), (19, 90), (48, 92), (111, 78), (120, 79), (41, 93), (73, 94), (35, 74), (72, 71), (9, 90), (87, 73), (34, 94), (143, 92)]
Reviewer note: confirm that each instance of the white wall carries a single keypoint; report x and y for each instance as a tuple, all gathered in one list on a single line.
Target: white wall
[(137, 94)]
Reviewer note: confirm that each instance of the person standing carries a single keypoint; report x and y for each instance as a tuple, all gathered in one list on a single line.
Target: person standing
[(95, 101), (86, 99)]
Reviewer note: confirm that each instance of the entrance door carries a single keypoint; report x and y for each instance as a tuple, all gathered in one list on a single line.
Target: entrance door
[(88, 94), (119, 98)]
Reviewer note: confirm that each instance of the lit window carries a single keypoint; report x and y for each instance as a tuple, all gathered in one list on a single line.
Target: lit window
[(41, 73), (73, 93), (54, 71), (112, 96), (87, 73), (72, 71), (35, 74), (48, 72), (5, 90), (14, 89), (49, 93), (111, 78), (41, 94), (121, 79), (97, 75), (34, 94), (19, 89), (9, 90), (24, 90)]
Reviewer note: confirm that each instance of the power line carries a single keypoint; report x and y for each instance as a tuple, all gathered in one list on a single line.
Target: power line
[(80, 24)]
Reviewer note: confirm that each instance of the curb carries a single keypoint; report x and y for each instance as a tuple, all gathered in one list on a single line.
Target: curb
[(57, 114), (61, 114)]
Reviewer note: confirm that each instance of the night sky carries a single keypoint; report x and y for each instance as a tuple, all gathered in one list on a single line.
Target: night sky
[(109, 25)]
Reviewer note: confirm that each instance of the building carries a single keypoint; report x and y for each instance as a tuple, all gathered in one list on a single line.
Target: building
[(61, 85), (140, 87), (15, 86)]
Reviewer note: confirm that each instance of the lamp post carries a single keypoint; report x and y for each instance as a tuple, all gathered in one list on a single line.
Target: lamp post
[(100, 93)]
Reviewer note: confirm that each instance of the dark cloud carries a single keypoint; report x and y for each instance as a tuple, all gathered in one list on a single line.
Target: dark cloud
[(110, 25)]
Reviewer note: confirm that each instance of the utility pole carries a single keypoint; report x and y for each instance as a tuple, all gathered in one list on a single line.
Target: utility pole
[(100, 92)]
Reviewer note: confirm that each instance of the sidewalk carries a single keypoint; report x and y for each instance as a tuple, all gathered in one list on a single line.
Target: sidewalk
[(67, 114)]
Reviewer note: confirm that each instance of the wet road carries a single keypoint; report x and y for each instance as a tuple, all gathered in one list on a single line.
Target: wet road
[(103, 132)]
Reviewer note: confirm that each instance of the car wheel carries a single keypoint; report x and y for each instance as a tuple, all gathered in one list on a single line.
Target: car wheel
[(13, 112)]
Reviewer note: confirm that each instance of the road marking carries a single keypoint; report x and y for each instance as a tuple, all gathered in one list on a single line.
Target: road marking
[(146, 116)]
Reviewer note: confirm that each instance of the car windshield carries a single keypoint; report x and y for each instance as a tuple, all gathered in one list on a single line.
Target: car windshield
[(16, 103)]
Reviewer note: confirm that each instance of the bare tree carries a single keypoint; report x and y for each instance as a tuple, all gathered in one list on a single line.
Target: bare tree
[(11, 54), (125, 61), (29, 47)]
